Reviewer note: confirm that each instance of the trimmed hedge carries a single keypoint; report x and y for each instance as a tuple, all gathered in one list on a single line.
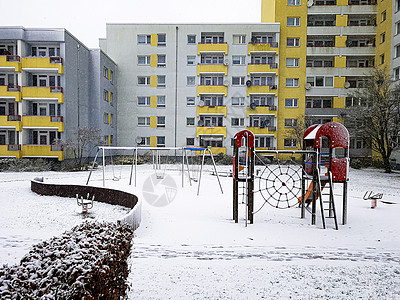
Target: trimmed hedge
[(87, 262)]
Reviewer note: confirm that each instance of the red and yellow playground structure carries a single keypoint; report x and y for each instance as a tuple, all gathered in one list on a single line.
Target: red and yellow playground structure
[(287, 183)]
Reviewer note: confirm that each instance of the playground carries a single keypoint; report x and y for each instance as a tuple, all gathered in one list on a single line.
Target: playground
[(191, 247)]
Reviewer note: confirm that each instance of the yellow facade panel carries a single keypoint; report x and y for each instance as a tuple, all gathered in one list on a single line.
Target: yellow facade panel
[(268, 11), (339, 102), (153, 60), (42, 93), (220, 110), (339, 82), (153, 121), (5, 91), (342, 2), (41, 63), (153, 81), (212, 48), (34, 121), (340, 62), (153, 101), (261, 89), (218, 150), (4, 151), (154, 40), (253, 68), (10, 61), (210, 130), (41, 151), (153, 141), (5, 122), (211, 89), (260, 110), (341, 20), (263, 48), (340, 41), (212, 69)]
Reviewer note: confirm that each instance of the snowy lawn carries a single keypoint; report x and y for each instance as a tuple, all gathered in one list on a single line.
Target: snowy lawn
[(191, 249)]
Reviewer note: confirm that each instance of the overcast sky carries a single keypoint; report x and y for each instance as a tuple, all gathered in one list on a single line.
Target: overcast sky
[(86, 19)]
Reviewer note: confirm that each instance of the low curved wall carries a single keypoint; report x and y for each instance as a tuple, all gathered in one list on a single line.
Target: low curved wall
[(114, 197)]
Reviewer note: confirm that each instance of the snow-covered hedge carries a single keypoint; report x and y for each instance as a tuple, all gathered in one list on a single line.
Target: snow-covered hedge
[(87, 262)]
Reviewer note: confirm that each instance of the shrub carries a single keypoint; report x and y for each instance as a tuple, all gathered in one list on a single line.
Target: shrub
[(25, 165)]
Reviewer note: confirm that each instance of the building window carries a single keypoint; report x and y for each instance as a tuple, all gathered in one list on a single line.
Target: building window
[(189, 121), (105, 95), (161, 61), (293, 21), (293, 3), (262, 80), (160, 121), (290, 122), (144, 121), (318, 103), (238, 80), (143, 101), (320, 81), (214, 59), (161, 141), (383, 16), (355, 101), (144, 39), (383, 36), (144, 60), (161, 39), (160, 101), (397, 53), (262, 141), (236, 122), (289, 143), (238, 60), (293, 42), (190, 101), (396, 74), (189, 141), (211, 121), (211, 80), (398, 27), (291, 102), (190, 80), (261, 121), (239, 39), (211, 100), (191, 60), (105, 72), (105, 118), (382, 59), (160, 80), (145, 141), (397, 5), (191, 39), (144, 80), (237, 101), (292, 62), (292, 82), (263, 101)]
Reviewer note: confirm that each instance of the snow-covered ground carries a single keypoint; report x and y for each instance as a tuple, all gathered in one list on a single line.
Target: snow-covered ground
[(191, 249)]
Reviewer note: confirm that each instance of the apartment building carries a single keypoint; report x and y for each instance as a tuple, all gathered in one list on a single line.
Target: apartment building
[(336, 44), (196, 84), (49, 85)]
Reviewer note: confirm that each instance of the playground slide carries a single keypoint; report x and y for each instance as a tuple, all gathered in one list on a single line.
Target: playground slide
[(309, 191)]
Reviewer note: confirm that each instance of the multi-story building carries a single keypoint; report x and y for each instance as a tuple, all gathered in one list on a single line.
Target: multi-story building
[(49, 84), (195, 84), (330, 47)]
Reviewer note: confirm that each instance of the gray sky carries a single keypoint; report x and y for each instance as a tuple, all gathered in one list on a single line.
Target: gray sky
[(86, 19)]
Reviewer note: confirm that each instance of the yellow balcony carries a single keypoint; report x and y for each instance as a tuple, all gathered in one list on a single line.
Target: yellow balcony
[(262, 89), (35, 63), (36, 92), (10, 61), (43, 151), (212, 89), (219, 110), (212, 48), (266, 130), (212, 69), (262, 110), (43, 122), (270, 47), (211, 130), (262, 68), (11, 121), (10, 151), (11, 91), (218, 150)]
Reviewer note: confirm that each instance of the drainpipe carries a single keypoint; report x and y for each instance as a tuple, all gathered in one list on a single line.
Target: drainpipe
[(176, 87)]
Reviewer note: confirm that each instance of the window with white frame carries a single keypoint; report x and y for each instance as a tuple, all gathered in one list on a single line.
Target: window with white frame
[(160, 121), (292, 82), (354, 101), (143, 60), (161, 39), (45, 51), (212, 100), (238, 80), (262, 100), (291, 102), (43, 137), (211, 79), (320, 102), (210, 38), (143, 101), (190, 141), (105, 95), (261, 121), (161, 141), (237, 101), (293, 21), (320, 81), (398, 27), (262, 141), (237, 122), (261, 38), (262, 80), (144, 39), (161, 61), (211, 121), (292, 62), (191, 80), (396, 74), (316, 120), (160, 101), (191, 60), (40, 109), (44, 80), (212, 59), (290, 122), (293, 2), (293, 42), (238, 60), (105, 72), (144, 121), (160, 80), (358, 143), (189, 121), (105, 118), (190, 101), (211, 140), (239, 39), (8, 137), (143, 80), (289, 143), (191, 39), (262, 59), (145, 141)]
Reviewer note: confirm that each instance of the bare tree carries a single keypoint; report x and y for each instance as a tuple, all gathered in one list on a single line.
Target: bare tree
[(86, 138), (375, 117), (296, 131)]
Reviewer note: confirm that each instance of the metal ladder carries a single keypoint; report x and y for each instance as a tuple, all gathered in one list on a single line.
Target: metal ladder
[(327, 205)]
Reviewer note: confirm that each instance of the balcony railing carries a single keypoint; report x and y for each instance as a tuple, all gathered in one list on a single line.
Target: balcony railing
[(271, 44), (271, 65), (13, 88), (271, 86), (56, 60), (56, 118), (16, 147), (362, 3), (212, 42), (13, 118), (56, 89), (326, 44), (14, 58), (56, 147)]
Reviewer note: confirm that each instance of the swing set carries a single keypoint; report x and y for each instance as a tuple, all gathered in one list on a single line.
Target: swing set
[(160, 161)]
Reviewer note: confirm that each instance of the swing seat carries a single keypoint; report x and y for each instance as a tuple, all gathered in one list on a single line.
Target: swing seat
[(116, 178)]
